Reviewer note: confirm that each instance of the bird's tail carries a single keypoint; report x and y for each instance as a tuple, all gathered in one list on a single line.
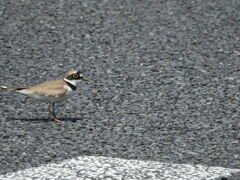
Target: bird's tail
[(12, 88)]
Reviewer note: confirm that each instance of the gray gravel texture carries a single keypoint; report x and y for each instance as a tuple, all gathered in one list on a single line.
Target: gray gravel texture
[(93, 167), (164, 80)]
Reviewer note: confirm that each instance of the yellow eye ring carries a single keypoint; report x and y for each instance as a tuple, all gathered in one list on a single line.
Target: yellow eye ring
[(75, 76)]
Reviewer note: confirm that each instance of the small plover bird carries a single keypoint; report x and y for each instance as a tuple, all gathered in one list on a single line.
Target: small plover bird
[(52, 91)]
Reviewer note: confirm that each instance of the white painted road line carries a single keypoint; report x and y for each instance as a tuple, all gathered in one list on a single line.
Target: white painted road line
[(97, 167)]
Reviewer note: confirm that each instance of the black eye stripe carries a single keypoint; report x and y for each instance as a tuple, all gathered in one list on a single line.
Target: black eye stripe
[(75, 75)]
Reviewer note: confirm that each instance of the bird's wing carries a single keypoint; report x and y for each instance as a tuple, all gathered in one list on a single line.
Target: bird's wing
[(50, 88)]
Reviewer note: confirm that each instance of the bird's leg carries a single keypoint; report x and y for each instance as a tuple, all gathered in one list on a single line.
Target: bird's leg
[(25, 99), (51, 112)]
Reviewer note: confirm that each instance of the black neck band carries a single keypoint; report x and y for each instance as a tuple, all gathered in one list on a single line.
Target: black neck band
[(71, 86)]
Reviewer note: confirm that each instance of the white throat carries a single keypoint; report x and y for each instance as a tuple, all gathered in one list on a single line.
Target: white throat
[(73, 82)]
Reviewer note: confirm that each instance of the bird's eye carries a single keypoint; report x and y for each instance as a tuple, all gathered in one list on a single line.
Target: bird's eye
[(75, 76)]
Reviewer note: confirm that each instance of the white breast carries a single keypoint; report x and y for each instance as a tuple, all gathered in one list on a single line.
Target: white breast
[(69, 90)]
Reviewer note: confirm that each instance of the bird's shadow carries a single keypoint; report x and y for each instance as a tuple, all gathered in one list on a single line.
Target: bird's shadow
[(68, 119)]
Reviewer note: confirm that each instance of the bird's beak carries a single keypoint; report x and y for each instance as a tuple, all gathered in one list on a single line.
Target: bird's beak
[(85, 79)]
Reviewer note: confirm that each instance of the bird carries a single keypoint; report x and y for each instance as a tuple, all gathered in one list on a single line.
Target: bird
[(53, 91)]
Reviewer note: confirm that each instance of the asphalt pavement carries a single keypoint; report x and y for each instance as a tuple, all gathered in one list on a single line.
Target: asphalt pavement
[(164, 87)]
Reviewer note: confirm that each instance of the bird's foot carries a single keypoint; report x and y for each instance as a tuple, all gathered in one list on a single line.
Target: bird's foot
[(57, 120)]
